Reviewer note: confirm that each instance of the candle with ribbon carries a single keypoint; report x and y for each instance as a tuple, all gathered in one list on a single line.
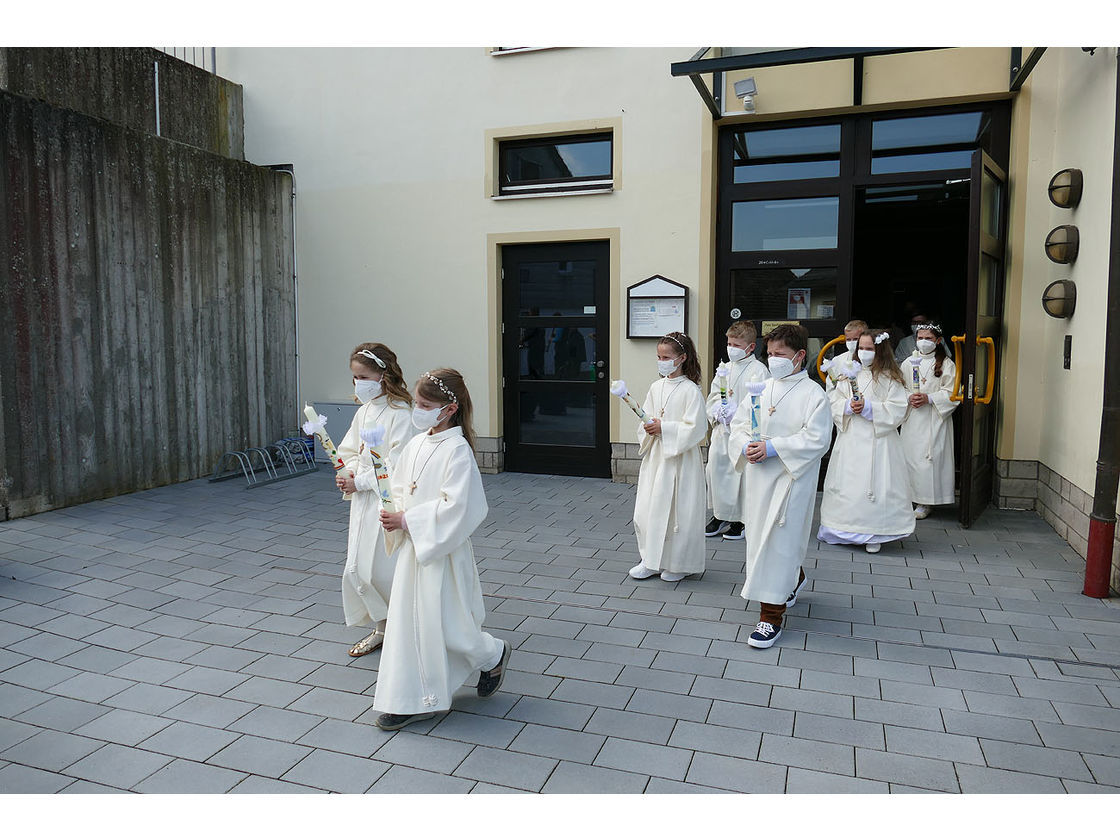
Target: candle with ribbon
[(618, 388), (317, 425), (850, 369), (721, 374), (915, 379), (755, 389), (374, 439)]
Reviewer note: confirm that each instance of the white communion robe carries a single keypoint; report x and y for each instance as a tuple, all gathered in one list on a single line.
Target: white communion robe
[(725, 483), (670, 505), (781, 489), (867, 486), (434, 637), (927, 434), (368, 575)]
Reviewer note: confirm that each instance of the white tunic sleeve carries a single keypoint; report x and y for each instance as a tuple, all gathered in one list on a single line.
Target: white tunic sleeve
[(350, 444), (644, 440), (440, 524), (889, 405), (939, 398)]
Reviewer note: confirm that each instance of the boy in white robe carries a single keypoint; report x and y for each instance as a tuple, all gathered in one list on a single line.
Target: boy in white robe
[(781, 469), (367, 578), (725, 483), (867, 487), (434, 637), (669, 506), (852, 331), (927, 434)]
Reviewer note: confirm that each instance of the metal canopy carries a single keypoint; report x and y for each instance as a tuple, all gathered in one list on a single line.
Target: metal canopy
[(695, 67)]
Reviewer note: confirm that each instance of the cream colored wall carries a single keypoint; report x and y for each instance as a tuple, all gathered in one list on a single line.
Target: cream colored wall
[(1068, 106), (395, 237)]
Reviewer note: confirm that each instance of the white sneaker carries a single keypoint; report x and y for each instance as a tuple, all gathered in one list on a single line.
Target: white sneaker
[(921, 512), (640, 572), (672, 577), (873, 548)]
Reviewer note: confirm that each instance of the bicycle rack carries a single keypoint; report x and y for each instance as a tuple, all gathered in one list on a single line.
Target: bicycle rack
[(261, 465)]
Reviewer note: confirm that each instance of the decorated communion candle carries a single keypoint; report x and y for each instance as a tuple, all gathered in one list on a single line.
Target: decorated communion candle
[(618, 388), (373, 439)]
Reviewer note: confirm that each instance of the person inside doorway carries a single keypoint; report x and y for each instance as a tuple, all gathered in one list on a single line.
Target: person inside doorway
[(908, 343)]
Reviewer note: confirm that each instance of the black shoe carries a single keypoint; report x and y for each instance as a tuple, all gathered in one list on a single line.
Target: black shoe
[(715, 527), (490, 681), (792, 599), (764, 635), (734, 531), (390, 722)]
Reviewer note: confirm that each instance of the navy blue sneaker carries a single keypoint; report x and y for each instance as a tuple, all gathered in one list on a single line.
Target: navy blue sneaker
[(792, 599), (764, 635)]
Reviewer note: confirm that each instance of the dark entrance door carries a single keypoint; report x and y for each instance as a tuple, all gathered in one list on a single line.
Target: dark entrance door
[(978, 345), (555, 343)]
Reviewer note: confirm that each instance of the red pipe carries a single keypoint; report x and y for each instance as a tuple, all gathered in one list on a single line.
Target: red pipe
[(1098, 559)]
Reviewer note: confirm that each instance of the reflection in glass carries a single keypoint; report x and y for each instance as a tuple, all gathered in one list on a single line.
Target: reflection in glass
[(987, 283), (761, 172), (784, 224), (557, 353), (556, 160), (885, 164), (561, 417), (786, 154), (796, 294), (990, 194), (937, 130), (556, 288)]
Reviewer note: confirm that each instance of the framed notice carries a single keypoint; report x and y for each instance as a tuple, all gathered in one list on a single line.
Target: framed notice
[(797, 303), (656, 306)]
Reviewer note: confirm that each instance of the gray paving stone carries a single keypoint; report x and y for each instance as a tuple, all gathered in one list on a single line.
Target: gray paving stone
[(260, 784), (117, 766), (337, 772), (1044, 761), (686, 645), (975, 779), (801, 780), (337, 704), (62, 714), (809, 754), (639, 757), (124, 727), (153, 699), (556, 743), (410, 780), (477, 729), (922, 742), (1105, 769), (660, 680), (189, 741), (182, 776), (342, 736), (630, 725), (689, 664), (922, 695), (260, 756), (569, 777), (278, 724), (54, 751), (1079, 738), (39, 674), (670, 705), (929, 773), (16, 778), (502, 767), (902, 714), (736, 774), (1063, 691), (209, 711)]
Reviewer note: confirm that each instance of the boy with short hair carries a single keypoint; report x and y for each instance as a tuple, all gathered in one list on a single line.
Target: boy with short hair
[(780, 468), (725, 483)]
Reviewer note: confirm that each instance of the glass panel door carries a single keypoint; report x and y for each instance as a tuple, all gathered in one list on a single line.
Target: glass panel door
[(983, 315), (555, 322)]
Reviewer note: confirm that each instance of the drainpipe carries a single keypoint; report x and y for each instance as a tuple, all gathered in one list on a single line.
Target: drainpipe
[(289, 169), (1102, 521)]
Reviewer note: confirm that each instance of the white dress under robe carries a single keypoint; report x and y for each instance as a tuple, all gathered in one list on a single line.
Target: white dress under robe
[(781, 489), (867, 486), (927, 434), (725, 483), (670, 506), (434, 638), (368, 575)]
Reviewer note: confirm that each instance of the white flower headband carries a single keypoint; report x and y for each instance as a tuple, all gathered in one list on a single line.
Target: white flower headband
[(674, 338), (935, 327), (369, 355), (446, 391), (881, 337)]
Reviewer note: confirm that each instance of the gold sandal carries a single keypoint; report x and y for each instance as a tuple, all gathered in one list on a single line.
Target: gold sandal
[(369, 644)]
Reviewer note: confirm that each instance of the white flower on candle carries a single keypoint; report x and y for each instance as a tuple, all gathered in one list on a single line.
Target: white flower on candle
[(723, 370), (373, 438), (756, 388), (826, 364), (618, 388)]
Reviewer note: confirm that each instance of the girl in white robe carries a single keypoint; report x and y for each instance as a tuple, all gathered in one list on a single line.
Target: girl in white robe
[(434, 638), (670, 505), (927, 434), (367, 578), (867, 487), (725, 483), (780, 470)]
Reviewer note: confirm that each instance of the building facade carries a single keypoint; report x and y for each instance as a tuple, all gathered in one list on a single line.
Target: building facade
[(531, 216)]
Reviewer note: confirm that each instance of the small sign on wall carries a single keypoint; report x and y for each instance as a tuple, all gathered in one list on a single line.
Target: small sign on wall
[(656, 306)]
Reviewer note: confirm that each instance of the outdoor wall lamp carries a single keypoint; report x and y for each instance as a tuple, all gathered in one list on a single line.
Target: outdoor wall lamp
[(1065, 188), (1061, 244), (1060, 298), (747, 91)]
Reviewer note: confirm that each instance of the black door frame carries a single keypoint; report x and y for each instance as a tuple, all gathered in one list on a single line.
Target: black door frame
[(557, 458)]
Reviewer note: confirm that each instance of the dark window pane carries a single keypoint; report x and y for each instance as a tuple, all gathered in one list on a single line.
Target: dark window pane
[(774, 294), (557, 417), (560, 162), (557, 288), (784, 224), (884, 164), (758, 173), (786, 154), (557, 353), (940, 130)]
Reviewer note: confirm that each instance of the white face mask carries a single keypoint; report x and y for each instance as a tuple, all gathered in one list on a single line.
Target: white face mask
[(426, 419), (667, 366), (367, 389), (866, 357), (780, 366), (735, 354), (925, 346), (852, 345)]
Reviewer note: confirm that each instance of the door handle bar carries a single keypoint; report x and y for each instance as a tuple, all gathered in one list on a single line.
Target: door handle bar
[(957, 340), (990, 390)]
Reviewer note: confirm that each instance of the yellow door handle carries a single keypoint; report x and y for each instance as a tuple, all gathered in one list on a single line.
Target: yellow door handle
[(957, 340), (820, 356), (990, 391)]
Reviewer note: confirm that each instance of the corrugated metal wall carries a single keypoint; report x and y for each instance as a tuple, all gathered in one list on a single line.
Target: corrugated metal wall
[(146, 308)]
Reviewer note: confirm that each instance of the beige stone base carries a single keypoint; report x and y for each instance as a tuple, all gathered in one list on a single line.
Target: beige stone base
[(490, 454)]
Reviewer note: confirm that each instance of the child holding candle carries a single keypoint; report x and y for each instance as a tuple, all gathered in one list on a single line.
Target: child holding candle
[(867, 487), (780, 463), (724, 482), (852, 331), (927, 434), (670, 505), (367, 578), (434, 638)]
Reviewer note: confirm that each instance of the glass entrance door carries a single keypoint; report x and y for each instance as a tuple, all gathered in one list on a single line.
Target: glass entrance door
[(979, 344), (555, 358)]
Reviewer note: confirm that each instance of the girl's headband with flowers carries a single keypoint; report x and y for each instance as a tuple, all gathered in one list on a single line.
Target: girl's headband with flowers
[(881, 337), (674, 338), (447, 392)]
